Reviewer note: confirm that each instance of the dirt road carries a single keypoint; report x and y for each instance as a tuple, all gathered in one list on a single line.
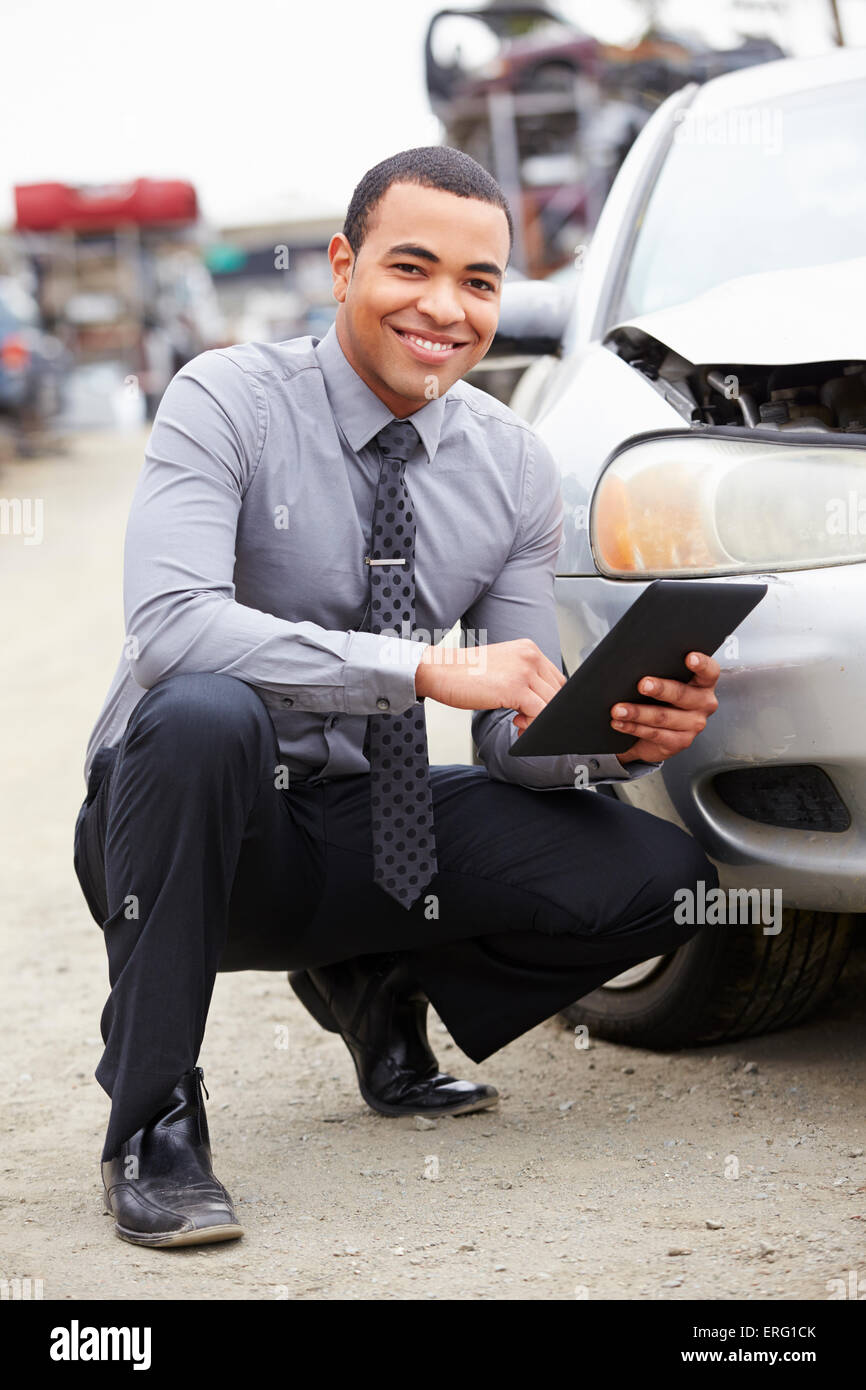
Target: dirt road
[(605, 1173)]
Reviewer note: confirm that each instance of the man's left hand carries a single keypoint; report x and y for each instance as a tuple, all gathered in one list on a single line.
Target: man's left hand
[(664, 730)]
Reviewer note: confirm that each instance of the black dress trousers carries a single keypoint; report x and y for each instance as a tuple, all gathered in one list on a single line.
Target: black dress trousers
[(193, 858)]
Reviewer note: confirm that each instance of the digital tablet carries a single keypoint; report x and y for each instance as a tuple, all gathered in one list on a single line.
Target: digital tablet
[(671, 618)]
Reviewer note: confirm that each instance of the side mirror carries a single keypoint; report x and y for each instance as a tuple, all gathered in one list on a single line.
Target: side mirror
[(532, 318)]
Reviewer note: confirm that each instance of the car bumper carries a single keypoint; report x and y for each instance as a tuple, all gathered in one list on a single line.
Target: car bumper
[(792, 693)]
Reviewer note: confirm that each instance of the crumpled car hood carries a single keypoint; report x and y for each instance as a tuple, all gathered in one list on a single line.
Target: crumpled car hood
[(810, 314)]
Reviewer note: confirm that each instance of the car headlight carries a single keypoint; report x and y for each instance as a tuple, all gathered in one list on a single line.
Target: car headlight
[(679, 503)]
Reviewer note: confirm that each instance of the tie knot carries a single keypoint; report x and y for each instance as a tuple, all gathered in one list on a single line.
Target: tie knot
[(398, 439)]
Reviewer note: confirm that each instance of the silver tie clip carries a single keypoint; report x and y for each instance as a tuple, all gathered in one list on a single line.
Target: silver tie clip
[(395, 560)]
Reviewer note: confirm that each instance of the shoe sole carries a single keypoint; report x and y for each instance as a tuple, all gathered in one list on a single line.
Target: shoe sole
[(315, 1005), (208, 1235), (457, 1107)]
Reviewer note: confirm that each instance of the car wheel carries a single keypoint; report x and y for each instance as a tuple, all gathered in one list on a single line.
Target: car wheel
[(726, 983)]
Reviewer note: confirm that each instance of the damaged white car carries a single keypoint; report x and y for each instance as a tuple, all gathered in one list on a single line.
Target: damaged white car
[(705, 396)]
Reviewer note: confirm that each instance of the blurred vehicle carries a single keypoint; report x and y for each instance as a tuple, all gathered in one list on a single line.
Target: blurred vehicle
[(552, 112), (511, 46), (516, 103), (546, 59), (49, 207), (662, 60), (705, 396), (32, 362)]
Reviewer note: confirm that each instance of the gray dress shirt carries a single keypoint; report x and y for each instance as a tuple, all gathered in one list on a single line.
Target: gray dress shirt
[(246, 538)]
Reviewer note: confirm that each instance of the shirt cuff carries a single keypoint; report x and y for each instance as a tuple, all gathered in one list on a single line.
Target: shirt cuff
[(380, 673), (606, 767)]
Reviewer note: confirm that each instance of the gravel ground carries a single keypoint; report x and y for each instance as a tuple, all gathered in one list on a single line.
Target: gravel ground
[(605, 1173)]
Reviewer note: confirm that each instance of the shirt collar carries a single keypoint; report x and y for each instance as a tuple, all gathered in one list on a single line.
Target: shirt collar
[(359, 411)]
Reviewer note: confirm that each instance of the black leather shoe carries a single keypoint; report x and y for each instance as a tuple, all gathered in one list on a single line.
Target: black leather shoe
[(160, 1187), (381, 1015)]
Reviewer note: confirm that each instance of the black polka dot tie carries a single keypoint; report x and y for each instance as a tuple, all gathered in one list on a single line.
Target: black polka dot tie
[(404, 844)]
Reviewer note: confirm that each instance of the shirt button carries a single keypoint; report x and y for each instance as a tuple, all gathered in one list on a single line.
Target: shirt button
[(593, 762), (287, 700), (382, 703)]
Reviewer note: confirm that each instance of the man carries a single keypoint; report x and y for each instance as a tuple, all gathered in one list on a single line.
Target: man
[(311, 517)]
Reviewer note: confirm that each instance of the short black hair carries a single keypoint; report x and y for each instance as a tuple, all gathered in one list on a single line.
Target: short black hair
[(430, 166)]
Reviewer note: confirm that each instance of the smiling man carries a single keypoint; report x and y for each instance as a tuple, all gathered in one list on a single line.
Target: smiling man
[(259, 794)]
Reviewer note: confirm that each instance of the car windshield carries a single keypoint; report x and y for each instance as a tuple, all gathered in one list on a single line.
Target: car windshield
[(770, 187)]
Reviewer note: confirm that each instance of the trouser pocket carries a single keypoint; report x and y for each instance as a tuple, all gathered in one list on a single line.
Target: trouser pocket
[(89, 837)]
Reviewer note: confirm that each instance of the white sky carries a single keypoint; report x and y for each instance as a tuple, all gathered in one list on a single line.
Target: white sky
[(273, 108)]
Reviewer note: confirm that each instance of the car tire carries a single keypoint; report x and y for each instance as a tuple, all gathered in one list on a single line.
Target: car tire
[(726, 983)]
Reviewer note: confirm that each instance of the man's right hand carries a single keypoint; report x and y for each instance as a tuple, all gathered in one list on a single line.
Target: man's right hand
[(501, 675)]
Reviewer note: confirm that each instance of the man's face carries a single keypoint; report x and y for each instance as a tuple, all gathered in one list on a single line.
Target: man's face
[(419, 304)]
